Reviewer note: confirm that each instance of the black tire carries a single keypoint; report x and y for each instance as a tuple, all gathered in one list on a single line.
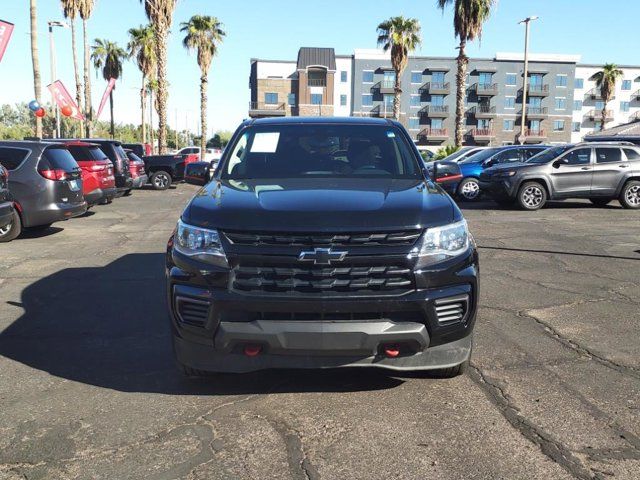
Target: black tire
[(161, 180), (600, 202), (532, 196), (505, 201), (630, 195), (127, 193), (12, 230), (469, 190), (38, 228)]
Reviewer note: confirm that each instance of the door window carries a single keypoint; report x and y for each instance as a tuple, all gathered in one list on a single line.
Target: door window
[(582, 156), (512, 155), (530, 152), (608, 155), (11, 158), (632, 154)]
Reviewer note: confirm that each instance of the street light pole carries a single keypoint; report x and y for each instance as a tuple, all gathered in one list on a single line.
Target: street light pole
[(526, 22), (52, 53)]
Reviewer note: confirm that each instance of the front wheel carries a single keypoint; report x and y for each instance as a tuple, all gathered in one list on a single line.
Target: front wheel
[(161, 180), (532, 196), (630, 195), (11, 231), (469, 189)]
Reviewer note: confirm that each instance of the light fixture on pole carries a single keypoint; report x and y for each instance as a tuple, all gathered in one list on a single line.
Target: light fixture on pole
[(526, 21), (52, 52)]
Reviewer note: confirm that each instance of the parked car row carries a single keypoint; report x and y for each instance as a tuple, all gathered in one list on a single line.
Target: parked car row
[(530, 175), (47, 181)]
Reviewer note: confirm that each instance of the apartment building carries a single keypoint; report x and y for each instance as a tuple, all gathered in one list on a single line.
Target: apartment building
[(562, 101)]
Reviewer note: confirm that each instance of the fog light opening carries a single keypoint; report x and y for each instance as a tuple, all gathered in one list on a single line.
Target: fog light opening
[(252, 349)]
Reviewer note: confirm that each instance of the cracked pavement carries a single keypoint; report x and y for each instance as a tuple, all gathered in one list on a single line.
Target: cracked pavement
[(88, 388)]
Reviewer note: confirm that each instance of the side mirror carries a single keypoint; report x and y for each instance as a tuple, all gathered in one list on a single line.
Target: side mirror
[(197, 173), (557, 163)]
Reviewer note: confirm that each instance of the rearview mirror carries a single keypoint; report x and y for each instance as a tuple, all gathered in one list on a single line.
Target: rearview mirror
[(197, 173)]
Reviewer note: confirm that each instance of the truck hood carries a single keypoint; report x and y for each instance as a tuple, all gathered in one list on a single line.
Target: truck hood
[(316, 205)]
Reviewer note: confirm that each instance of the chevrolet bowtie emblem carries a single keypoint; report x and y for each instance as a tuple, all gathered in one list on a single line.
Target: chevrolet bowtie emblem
[(322, 256)]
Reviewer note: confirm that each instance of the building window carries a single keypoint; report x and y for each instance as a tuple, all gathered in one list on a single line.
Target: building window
[(561, 80), (343, 100), (437, 100), (416, 77), (485, 78), (291, 99), (367, 76), (510, 103), (507, 125), (578, 83), (558, 125), (437, 78), (624, 106), (413, 123), (561, 103), (626, 85), (511, 80), (367, 100), (316, 99), (270, 98), (415, 100), (436, 123), (575, 127), (388, 102), (343, 76), (599, 105), (577, 105)]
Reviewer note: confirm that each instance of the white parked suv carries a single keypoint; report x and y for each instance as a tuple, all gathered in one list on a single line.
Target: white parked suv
[(212, 154)]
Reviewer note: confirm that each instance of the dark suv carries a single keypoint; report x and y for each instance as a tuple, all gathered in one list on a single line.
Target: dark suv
[(8, 214), (320, 243), (45, 182), (601, 172)]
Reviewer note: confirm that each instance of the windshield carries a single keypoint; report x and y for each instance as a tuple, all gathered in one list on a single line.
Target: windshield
[(548, 155), (481, 156), (317, 150)]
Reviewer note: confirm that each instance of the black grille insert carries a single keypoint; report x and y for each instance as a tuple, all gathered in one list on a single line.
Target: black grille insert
[(407, 237), (192, 312)]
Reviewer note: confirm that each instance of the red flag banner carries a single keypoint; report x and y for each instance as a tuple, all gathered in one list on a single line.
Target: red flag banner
[(6, 29), (63, 99), (105, 95)]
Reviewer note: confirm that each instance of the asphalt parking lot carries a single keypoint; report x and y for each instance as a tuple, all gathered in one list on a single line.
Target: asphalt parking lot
[(88, 388)]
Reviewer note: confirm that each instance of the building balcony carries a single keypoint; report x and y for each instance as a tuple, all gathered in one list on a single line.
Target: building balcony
[(483, 111), (538, 90), (435, 88), (596, 94), (382, 111), (635, 95), (433, 134), (434, 111), (597, 115), (262, 109), (536, 113), (486, 89), (534, 135), (317, 82), (482, 134), (385, 86)]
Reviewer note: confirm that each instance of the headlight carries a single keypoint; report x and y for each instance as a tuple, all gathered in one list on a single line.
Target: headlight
[(201, 243), (508, 173), (442, 243)]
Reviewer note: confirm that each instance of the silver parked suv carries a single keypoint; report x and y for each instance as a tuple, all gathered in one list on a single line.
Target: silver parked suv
[(599, 171)]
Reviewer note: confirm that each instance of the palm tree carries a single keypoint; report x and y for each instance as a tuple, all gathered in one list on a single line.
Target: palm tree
[(152, 86), (606, 80), (401, 36), (204, 34), (142, 46), (160, 13), (86, 9), (37, 86), (108, 56), (70, 9), (468, 18)]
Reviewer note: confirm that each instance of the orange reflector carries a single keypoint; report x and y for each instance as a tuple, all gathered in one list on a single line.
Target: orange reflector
[(252, 350)]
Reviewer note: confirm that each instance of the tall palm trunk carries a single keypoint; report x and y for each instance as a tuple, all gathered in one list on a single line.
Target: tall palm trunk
[(76, 70), (162, 89), (461, 76), (204, 81), (143, 108), (397, 92), (37, 86), (87, 82), (113, 128), (151, 131), (604, 115)]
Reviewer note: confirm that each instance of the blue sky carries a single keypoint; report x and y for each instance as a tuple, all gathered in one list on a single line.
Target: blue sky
[(275, 29)]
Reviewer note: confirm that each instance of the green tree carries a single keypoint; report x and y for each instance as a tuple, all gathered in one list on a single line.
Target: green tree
[(220, 139), (606, 80), (468, 19), (203, 34), (445, 151), (142, 47), (108, 57), (401, 36)]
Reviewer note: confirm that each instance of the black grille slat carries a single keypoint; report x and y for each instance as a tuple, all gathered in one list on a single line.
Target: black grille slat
[(451, 310), (192, 312), (407, 237)]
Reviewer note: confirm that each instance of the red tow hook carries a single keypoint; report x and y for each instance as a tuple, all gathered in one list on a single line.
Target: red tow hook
[(391, 351), (252, 350)]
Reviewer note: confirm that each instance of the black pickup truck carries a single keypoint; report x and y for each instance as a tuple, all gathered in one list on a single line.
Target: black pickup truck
[(163, 170)]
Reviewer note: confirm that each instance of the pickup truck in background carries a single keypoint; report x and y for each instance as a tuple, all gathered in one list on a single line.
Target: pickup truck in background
[(163, 170), (212, 154)]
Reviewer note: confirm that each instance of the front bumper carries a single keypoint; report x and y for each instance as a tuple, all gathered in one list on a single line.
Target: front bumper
[(140, 181), (498, 187), (6, 213)]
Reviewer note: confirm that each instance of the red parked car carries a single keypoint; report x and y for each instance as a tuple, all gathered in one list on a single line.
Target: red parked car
[(98, 180), (136, 167)]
